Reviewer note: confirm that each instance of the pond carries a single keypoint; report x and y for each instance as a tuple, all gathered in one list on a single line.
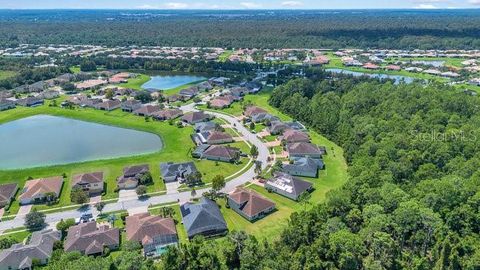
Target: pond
[(396, 78), (45, 140), (166, 82)]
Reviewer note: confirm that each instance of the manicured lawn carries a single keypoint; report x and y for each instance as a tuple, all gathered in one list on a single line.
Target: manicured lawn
[(18, 236), (136, 83), (177, 148), (75, 69), (5, 74), (225, 55)]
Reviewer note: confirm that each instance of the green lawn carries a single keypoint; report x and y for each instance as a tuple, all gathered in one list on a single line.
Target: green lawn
[(177, 148), (136, 83), (5, 74), (225, 55), (18, 236)]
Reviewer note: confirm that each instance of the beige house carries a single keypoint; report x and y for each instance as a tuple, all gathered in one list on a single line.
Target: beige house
[(89, 182), (36, 191)]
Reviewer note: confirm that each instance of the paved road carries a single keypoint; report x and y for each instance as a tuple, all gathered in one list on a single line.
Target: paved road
[(166, 198)]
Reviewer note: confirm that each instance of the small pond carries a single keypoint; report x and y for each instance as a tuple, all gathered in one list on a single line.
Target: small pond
[(45, 140), (166, 82), (397, 78)]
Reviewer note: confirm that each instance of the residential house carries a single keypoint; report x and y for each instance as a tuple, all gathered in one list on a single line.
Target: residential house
[(167, 114), (172, 172), (205, 126), (277, 127), (288, 186), (147, 110), (30, 102), (7, 193), (89, 239), (89, 84), (203, 218), (303, 149), (131, 176), (251, 111), (307, 167), (212, 137), (22, 256), (189, 92), (370, 66), (50, 94), (6, 104), (250, 204), (393, 68), (131, 105), (222, 102), (264, 118), (253, 87), (37, 190), (219, 81), (221, 153), (89, 182), (293, 136), (196, 117), (154, 233), (205, 86), (109, 105)]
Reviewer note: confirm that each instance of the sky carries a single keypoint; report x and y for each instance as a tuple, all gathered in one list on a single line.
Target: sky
[(237, 4)]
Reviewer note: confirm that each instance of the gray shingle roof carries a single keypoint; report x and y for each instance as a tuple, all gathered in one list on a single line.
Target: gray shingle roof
[(202, 217)]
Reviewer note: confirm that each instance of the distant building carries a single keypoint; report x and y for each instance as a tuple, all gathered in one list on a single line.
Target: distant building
[(203, 218), (30, 102)]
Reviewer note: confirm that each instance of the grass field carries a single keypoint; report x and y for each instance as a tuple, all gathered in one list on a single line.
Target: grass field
[(225, 55), (136, 83), (5, 74), (177, 147)]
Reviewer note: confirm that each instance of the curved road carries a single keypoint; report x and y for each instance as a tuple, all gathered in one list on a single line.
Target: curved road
[(133, 202)]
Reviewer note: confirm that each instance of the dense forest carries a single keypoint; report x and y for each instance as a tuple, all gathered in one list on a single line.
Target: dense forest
[(402, 29)]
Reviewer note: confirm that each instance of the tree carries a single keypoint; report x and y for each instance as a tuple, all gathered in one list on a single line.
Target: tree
[(78, 196), (304, 199), (193, 193), (64, 225), (131, 246), (50, 197), (34, 220), (109, 93), (258, 167), (146, 178), (252, 126), (141, 190), (254, 151), (218, 182), (143, 96), (278, 166), (193, 179), (7, 242), (99, 206), (88, 65)]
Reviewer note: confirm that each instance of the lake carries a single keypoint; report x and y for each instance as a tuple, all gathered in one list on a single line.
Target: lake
[(45, 140), (170, 81), (396, 78)]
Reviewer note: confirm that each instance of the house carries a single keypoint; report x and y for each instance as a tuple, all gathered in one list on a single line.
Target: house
[(220, 81), (203, 218), (147, 110), (131, 176), (21, 256), (196, 117), (296, 125), (89, 182), (198, 152), (238, 92), (167, 114), (205, 126), (253, 87), (277, 127), (154, 233), (89, 84), (303, 149), (30, 102), (251, 111), (6, 104), (50, 94), (288, 186), (212, 137), (263, 118), (7, 193), (307, 167), (89, 239), (393, 68), (293, 136), (37, 190), (250, 204), (172, 172), (189, 92), (370, 66), (222, 102), (205, 86), (221, 153), (109, 105), (131, 105)]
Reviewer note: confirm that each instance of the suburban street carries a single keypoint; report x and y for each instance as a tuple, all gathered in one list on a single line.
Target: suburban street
[(135, 203)]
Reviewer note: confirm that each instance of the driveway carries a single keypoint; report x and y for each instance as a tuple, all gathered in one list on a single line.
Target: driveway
[(96, 199), (127, 194), (172, 187), (24, 209)]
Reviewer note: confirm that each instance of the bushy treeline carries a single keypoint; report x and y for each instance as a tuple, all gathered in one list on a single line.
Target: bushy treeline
[(247, 29)]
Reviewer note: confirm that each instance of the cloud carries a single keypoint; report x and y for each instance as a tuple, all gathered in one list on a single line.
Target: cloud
[(250, 5), (425, 6), (292, 4), (146, 7), (474, 2), (175, 5)]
